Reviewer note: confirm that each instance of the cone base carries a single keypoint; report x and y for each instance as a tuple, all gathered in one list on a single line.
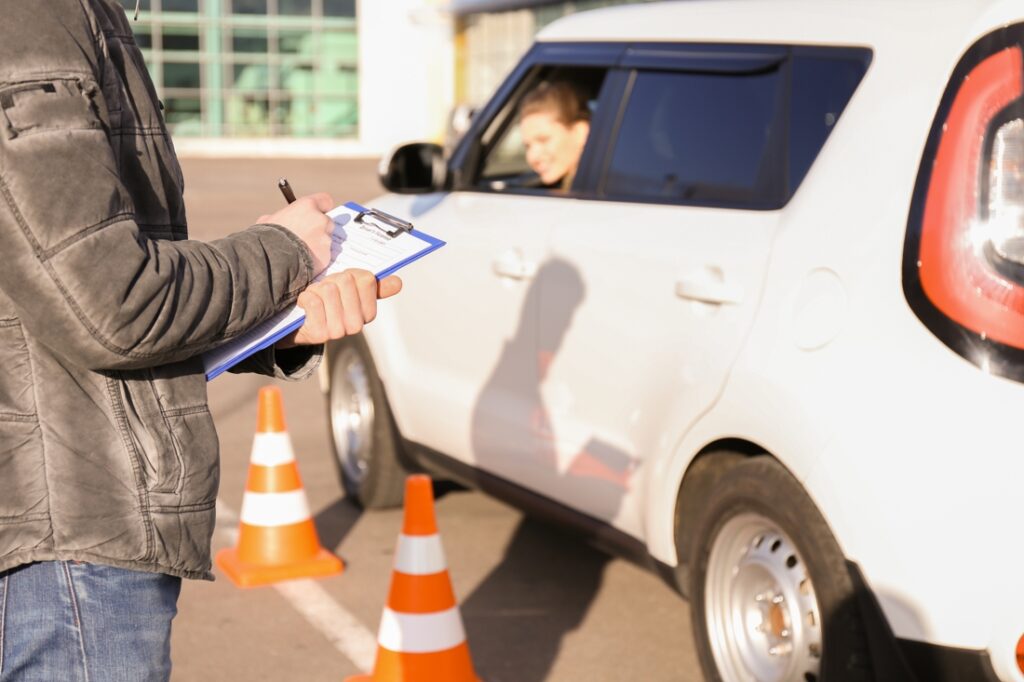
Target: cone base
[(244, 574), (449, 665)]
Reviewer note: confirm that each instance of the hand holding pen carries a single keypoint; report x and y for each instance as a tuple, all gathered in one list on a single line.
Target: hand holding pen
[(338, 305), (305, 217)]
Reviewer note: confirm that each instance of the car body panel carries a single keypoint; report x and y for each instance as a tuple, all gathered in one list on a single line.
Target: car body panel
[(669, 295), (459, 385)]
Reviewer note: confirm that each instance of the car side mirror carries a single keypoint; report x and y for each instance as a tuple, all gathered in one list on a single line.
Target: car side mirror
[(415, 168)]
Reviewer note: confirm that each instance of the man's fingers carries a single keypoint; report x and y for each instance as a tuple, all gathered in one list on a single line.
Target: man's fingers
[(353, 309), (313, 306), (341, 305), (322, 201), (334, 309), (366, 287), (389, 286)]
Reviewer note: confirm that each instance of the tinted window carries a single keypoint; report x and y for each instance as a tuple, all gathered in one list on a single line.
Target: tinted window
[(699, 137), (249, 6), (339, 8), (821, 88), (304, 7), (249, 41), (185, 40), (180, 5), (181, 75)]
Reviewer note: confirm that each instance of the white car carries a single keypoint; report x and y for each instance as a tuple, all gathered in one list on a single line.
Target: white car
[(772, 338)]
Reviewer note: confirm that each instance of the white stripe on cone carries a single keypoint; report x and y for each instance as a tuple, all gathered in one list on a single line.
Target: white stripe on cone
[(272, 449), (421, 633), (274, 509), (420, 554)]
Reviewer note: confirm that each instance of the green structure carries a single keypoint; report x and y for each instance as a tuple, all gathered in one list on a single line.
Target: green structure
[(253, 68)]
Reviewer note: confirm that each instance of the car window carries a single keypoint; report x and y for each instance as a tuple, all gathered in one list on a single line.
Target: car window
[(507, 161), (734, 126), (505, 166), (698, 137), (822, 85)]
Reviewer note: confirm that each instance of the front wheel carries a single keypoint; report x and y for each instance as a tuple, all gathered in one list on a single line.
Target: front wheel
[(363, 435), (772, 598)]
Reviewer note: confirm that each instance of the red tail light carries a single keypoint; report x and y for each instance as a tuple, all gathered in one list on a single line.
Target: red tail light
[(964, 259), (955, 271)]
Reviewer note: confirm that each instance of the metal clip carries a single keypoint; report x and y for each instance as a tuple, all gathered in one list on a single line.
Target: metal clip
[(385, 222)]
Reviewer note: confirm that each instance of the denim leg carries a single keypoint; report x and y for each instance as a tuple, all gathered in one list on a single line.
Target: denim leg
[(42, 638), (126, 621), (86, 623), (3, 613)]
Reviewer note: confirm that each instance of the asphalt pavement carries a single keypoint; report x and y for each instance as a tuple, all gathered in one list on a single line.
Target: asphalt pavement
[(538, 603)]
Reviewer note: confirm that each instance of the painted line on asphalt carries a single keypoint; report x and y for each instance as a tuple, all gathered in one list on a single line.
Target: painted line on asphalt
[(315, 604)]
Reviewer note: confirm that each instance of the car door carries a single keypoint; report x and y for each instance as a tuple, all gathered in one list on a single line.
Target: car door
[(461, 363), (463, 372), (670, 257)]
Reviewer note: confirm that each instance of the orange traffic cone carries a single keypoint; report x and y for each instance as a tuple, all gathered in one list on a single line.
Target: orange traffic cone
[(421, 638), (277, 539)]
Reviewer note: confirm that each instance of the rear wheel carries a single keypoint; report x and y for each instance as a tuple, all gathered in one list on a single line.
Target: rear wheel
[(772, 598), (363, 435)]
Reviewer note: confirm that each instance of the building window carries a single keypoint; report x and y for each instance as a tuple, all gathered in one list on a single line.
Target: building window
[(281, 68), (249, 6)]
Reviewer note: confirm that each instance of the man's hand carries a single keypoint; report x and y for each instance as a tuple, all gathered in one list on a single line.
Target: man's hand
[(305, 217), (339, 305)]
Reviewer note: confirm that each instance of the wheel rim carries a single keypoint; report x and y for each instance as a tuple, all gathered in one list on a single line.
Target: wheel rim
[(761, 610), (351, 414)]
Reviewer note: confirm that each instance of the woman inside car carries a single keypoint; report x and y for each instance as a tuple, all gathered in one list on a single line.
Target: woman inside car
[(554, 123)]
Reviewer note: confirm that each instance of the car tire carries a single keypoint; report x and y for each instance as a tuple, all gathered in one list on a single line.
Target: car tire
[(772, 599), (363, 434)]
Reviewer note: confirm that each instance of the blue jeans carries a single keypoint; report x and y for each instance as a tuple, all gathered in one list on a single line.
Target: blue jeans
[(79, 622)]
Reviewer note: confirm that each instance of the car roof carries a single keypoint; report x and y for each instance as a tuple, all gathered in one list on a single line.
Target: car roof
[(867, 22)]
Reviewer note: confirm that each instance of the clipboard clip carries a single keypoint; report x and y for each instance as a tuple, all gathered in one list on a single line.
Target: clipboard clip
[(385, 222)]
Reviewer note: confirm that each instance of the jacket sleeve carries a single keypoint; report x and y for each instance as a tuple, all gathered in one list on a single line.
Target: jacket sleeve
[(86, 280), (291, 364)]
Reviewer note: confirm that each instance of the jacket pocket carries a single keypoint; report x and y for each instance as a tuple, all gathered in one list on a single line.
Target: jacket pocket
[(195, 439), (149, 434), (172, 432), (17, 399), (59, 104), (180, 390)]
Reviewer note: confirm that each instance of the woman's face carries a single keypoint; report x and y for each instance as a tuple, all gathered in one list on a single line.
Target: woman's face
[(553, 149)]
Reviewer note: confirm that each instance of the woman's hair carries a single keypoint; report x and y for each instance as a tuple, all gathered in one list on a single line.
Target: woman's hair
[(561, 98)]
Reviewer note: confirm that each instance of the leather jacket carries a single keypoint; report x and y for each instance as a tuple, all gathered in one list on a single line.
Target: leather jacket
[(108, 453)]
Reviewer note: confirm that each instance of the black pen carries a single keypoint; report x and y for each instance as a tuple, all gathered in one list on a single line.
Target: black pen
[(286, 190)]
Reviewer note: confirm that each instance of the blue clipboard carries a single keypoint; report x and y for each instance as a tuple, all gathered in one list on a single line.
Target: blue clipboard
[(221, 359)]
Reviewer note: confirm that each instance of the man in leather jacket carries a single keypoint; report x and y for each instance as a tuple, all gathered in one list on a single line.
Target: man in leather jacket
[(108, 455)]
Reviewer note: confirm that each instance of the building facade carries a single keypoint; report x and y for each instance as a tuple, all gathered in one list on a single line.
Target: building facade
[(253, 68), (492, 35), (329, 77)]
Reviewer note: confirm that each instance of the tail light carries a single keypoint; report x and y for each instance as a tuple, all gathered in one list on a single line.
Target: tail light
[(964, 258), (1020, 653)]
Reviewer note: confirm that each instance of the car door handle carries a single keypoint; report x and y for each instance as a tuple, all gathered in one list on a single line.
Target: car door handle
[(512, 265), (708, 290)]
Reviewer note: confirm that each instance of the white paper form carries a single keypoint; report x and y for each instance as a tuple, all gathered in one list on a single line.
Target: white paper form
[(355, 244)]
